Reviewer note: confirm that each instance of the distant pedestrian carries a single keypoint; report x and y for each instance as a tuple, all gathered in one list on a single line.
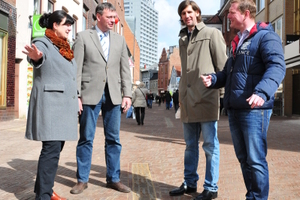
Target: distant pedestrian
[(159, 99), (150, 99), (176, 100), (139, 103), (251, 76), (53, 105), (168, 99)]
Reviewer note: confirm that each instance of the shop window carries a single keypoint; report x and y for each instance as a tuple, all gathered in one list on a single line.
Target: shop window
[(277, 25)]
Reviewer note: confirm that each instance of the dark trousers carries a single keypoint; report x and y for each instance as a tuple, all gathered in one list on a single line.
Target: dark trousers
[(46, 170), (176, 106), (139, 114)]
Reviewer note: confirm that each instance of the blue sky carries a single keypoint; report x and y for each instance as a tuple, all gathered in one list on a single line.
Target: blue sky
[(168, 19)]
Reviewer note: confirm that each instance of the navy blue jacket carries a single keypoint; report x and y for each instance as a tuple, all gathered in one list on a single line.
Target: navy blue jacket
[(256, 67)]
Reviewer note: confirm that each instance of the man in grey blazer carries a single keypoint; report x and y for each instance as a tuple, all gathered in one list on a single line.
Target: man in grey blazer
[(103, 83)]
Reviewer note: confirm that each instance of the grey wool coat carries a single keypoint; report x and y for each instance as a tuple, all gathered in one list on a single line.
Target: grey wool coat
[(204, 53), (53, 105)]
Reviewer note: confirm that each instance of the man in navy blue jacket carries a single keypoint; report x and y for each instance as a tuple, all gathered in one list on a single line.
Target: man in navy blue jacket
[(251, 76)]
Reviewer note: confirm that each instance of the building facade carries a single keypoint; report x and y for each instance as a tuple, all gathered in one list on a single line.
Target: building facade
[(284, 16), (27, 9), (147, 74), (15, 72), (8, 31), (169, 59), (142, 19)]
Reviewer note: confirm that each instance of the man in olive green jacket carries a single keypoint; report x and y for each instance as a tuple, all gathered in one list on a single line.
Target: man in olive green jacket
[(202, 51)]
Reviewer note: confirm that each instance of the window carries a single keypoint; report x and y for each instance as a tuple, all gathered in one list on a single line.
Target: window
[(85, 17), (277, 25), (37, 7), (223, 24), (50, 6), (228, 25), (74, 27), (260, 4), (3, 67), (74, 30)]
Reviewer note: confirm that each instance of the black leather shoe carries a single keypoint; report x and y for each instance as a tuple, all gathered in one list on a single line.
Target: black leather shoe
[(182, 189), (207, 195)]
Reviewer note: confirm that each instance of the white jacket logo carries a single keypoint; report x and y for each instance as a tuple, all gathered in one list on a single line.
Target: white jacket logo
[(243, 50)]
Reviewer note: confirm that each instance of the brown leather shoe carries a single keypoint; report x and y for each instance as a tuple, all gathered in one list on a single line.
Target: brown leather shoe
[(78, 188), (118, 186), (56, 197)]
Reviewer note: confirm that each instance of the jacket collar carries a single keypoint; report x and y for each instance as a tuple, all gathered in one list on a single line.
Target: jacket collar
[(257, 27), (96, 39), (183, 34)]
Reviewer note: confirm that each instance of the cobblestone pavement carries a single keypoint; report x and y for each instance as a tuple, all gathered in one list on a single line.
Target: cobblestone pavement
[(151, 161)]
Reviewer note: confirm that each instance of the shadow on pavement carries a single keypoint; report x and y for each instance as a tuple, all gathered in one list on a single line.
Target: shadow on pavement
[(161, 125)]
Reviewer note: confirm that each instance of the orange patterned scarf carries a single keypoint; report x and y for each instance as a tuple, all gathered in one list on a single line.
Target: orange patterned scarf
[(62, 44)]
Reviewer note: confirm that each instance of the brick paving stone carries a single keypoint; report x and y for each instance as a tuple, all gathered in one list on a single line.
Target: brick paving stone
[(159, 145)]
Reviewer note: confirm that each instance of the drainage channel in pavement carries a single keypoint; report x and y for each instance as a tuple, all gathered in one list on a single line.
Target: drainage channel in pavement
[(142, 185)]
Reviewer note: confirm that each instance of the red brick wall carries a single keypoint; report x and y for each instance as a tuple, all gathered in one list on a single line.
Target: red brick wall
[(11, 2), (164, 68), (134, 50), (174, 60), (91, 5), (228, 35), (9, 112)]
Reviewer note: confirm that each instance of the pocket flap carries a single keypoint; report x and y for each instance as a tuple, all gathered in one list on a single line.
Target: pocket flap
[(86, 78), (54, 87)]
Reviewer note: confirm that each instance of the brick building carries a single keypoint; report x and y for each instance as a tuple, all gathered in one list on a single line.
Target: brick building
[(167, 61), (8, 21)]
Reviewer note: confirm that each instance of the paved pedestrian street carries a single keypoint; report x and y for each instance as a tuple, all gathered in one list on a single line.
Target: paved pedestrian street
[(151, 161)]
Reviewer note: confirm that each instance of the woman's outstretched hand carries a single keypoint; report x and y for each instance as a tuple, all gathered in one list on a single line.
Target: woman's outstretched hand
[(33, 53)]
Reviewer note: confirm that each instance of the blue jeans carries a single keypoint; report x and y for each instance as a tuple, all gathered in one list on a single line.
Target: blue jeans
[(111, 121), (212, 153), (150, 103), (249, 135)]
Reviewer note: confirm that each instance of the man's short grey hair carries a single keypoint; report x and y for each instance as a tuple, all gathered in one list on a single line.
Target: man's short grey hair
[(102, 6)]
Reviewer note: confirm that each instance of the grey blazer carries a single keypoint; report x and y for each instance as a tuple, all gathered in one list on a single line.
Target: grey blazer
[(94, 71), (53, 105)]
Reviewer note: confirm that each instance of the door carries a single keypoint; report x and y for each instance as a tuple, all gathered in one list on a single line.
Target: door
[(296, 94)]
